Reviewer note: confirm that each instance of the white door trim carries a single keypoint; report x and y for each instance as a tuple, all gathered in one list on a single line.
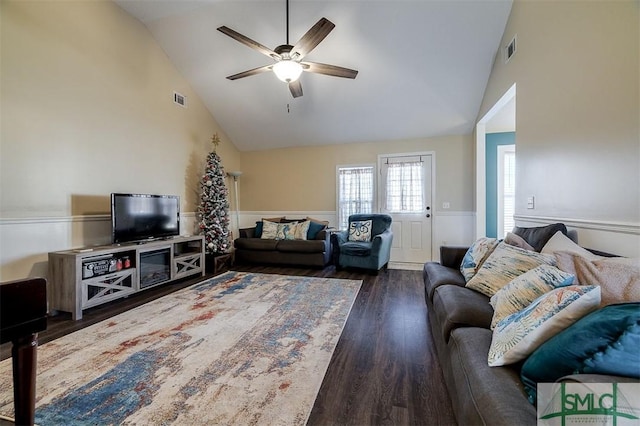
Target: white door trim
[(432, 154), (481, 164)]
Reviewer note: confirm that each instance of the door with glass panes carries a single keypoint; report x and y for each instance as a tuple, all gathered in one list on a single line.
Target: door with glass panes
[(405, 191)]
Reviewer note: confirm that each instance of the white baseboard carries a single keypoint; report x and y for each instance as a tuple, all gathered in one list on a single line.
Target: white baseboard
[(406, 266)]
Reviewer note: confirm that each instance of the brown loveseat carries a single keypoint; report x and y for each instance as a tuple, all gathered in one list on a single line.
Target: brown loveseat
[(315, 251)]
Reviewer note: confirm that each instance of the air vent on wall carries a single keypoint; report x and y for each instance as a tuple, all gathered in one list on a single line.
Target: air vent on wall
[(510, 50), (180, 99)]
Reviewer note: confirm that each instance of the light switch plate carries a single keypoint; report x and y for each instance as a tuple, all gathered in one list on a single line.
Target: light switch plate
[(531, 202)]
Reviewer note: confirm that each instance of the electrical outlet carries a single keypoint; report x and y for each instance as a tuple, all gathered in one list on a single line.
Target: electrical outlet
[(446, 205)]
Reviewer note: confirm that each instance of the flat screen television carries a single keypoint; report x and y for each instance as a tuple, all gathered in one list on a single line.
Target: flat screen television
[(139, 217)]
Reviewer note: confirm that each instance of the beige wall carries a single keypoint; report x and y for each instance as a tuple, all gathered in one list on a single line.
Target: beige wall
[(87, 109), (577, 107), (304, 179)]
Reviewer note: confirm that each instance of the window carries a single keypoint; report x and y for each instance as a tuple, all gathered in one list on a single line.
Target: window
[(506, 189), (355, 192), (404, 186)]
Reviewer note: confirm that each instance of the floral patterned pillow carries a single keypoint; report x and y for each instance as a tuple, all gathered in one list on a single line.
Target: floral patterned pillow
[(360, 230), (476, 255), (518, 335), (296, 231), (269, 230), (526, 288), (503, 265)]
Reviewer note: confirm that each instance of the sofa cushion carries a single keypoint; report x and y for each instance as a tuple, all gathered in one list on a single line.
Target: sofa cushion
[(503, 265), (301, 246), (487, 395), (604, 342), (356, 248), (435, 275), (255, 244), (526, 288), (519, 334), (539, 236), (457, 306)]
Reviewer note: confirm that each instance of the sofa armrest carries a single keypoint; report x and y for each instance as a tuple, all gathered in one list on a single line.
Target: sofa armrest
[(341, 237), (247, 232), (383, 239), (451, 256)]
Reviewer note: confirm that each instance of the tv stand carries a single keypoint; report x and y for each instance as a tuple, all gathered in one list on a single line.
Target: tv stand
[(86, 277)]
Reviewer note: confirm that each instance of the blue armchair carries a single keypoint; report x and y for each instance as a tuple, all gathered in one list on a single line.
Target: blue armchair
[(372, 254)]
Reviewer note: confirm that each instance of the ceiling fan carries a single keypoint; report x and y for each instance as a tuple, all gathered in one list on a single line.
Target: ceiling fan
[(288, 59)]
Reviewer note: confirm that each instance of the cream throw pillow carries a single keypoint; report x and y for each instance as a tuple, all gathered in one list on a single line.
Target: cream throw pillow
[(269, 230), (560, 242), (503, 265), (526, 288), (360, 230), (519, 334)]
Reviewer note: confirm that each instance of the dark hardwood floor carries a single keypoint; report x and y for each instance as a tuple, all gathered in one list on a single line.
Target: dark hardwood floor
[(384, 369)]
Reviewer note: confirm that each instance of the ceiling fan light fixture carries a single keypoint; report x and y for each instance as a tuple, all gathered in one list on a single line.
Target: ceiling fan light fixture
[(287, 70)]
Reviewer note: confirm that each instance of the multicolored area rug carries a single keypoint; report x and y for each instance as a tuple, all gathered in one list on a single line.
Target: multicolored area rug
[(240, 348)]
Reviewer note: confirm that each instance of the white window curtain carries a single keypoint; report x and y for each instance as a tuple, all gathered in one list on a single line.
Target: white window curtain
[(404, 187), (355, 192)]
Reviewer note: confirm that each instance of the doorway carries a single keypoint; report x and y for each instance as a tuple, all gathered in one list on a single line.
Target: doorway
[(405, 193), (500, 178), (503, 116)]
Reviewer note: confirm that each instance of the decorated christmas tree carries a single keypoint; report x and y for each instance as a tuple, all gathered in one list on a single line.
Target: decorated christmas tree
[(213, 211)]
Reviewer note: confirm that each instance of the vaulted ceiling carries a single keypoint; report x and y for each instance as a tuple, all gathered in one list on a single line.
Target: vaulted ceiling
[(423, 66)]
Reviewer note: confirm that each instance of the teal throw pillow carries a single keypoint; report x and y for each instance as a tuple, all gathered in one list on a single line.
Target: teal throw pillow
[(605, 341), (314, 229), (257, 233)]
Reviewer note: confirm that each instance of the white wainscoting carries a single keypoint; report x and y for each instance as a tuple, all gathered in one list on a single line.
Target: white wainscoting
[(452, 228), (621, 238), (26, 242), (248, 219)]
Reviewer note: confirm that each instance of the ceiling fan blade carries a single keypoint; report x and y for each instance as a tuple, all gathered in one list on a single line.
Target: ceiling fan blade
[(333, 70), (296, 88), (251, 72), (312, 38), (248, 42)]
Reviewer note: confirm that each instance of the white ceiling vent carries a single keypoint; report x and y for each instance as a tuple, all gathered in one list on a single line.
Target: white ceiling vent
[(180, 99), (510, 49)]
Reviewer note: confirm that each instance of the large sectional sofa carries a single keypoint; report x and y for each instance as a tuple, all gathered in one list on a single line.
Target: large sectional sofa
[(460, 319), (314, 251)]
